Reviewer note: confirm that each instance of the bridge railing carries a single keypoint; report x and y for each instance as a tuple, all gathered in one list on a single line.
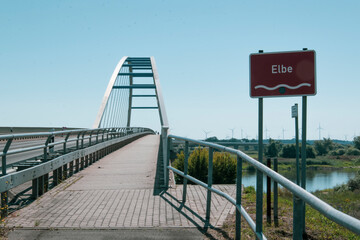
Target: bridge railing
[(328, 211), (72, 151)]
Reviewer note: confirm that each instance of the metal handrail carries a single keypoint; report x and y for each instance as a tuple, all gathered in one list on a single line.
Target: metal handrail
[(47, 145), (328, 211)]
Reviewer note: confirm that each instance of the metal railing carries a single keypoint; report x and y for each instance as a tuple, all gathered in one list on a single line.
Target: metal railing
[(84, 146), (331, 213)]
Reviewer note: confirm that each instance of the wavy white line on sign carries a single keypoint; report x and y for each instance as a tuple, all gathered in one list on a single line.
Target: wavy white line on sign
[(283, 85)]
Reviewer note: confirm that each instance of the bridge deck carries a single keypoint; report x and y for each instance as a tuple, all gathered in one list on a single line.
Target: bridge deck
[(117, 192)]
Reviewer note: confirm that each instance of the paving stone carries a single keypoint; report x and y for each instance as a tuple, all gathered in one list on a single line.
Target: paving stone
[(117, 192)]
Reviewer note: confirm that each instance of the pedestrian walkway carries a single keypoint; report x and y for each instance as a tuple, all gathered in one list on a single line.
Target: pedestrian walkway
[(118, 192)]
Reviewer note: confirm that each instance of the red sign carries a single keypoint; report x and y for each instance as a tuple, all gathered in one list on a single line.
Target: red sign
[(282, 74)]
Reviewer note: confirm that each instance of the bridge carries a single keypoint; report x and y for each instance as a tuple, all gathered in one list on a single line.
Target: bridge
[(117, 181)]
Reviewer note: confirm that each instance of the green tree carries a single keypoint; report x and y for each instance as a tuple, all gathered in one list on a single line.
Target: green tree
[(357, 142), (322, 147), (289, 151), (273, 148)]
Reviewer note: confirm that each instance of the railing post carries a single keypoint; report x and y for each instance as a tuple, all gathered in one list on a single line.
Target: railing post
[(82, 140), (276, 216), (66, 139), (4, 195), (48, 140), (186, 160), (52, 140), (268, 194), (238, 197), (210, 173), (297, 220), (164, 134)]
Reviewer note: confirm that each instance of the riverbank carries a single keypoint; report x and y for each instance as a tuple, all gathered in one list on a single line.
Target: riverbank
[(345, 198), (320, 162)]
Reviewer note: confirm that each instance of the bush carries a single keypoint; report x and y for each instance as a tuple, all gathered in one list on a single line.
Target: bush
[(352, 185), (224, 166), (338, 152), (353, 151), (198, 164)]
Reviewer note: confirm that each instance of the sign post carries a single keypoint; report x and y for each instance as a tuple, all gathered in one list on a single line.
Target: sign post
[(294, 114), (282, 74)]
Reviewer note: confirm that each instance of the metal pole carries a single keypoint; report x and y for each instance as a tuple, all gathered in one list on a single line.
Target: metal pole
[(268, 194), (297, 218), (303, 156), (164, 136), (210, 173), (297, 149), (186, 160), (276, 216), (259, 175), (238, 197)]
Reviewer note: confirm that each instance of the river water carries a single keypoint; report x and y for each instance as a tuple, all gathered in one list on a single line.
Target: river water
[(315, 180)]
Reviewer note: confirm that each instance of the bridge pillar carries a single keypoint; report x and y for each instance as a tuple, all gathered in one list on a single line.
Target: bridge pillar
[(60, 174), (71, 168), (55, 178), (86, 161), (35, 188), (77, 168), (41, 185), (65, 173), (82, 161), (46, 182), (4, 204)]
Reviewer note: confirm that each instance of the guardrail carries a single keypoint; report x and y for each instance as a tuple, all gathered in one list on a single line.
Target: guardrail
[(331, 213), (90, 145)]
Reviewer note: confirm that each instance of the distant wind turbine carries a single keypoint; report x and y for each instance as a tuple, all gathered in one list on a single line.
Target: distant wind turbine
[(319, 128), (232, 132), (283, 131), (206, 133)]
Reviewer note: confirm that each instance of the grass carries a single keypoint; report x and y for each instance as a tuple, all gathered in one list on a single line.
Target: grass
[(317, 225)]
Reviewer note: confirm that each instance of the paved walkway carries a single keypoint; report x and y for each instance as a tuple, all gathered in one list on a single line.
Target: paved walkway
[(118, 192)]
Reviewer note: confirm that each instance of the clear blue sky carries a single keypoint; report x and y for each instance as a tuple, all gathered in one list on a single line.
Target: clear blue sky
[(56, 58)]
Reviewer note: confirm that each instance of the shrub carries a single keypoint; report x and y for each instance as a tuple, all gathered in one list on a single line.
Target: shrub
[(352, 185), (198, 164), (249, 189), (338, 152), (353, 151), (224, 166)]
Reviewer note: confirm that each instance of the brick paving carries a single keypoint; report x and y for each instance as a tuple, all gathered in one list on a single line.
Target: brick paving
[(118, 192)]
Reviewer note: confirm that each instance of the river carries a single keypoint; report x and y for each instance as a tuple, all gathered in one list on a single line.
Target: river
[(315, 180)]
